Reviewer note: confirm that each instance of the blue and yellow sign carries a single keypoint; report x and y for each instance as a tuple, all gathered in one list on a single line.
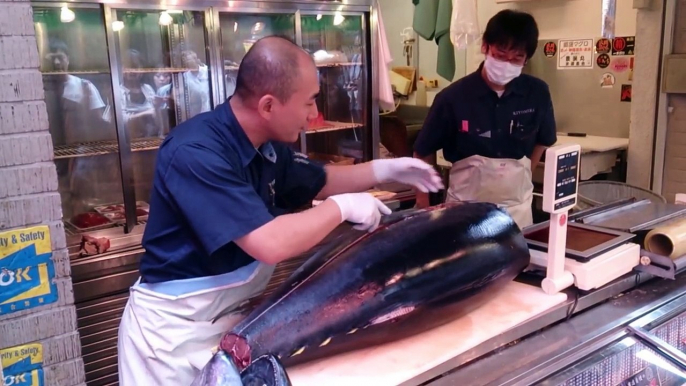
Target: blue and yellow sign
[(23, 365), (26, 269), (30, 378)]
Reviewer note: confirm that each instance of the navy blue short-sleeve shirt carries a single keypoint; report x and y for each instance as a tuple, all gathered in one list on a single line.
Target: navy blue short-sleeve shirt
[(468, 118), (211, 187)]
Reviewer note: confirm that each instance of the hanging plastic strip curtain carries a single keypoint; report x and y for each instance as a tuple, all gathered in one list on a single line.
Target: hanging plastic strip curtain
[(464, 23), (608, 18)]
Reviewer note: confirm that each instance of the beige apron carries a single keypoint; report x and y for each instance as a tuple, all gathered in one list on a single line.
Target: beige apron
[(502, 181), (168, 330)]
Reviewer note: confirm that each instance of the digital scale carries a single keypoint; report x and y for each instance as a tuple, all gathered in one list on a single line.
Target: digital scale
[(574, 254)]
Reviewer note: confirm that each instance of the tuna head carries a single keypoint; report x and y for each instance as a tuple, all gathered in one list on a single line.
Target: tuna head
[(219, 371), (266, 370)]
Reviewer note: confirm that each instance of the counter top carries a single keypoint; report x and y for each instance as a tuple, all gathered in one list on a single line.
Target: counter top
[(593, 143), (592, 326), (589, 144), (412, 359)]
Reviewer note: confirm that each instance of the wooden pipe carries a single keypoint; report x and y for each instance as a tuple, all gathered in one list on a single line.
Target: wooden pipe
[(668, 240)]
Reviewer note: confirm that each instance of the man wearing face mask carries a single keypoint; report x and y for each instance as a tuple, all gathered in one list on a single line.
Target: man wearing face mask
[(493, 125)]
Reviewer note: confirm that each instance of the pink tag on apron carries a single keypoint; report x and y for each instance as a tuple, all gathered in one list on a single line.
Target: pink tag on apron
[(465, 126)]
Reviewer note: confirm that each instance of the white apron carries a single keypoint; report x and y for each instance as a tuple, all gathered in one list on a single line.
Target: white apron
[(504, 182), (166, 334)]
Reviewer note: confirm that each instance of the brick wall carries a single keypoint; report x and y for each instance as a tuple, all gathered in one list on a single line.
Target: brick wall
[(674, 180), (39, 322)]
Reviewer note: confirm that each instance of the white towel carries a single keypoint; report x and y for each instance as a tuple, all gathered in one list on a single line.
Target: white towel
[(386, 101)]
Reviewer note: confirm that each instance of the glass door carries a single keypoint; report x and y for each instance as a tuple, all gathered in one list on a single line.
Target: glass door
[(79, 101), (240, 30), (163, 67), (628, 362), (337, 43)]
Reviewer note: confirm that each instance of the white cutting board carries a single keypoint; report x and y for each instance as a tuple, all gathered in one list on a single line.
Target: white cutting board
[(402, 360)]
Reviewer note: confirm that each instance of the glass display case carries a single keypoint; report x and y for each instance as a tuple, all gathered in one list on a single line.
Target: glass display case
[(120, 75), (79, 101), (336, 42), (673, 332), (163, 70), (628, 362)]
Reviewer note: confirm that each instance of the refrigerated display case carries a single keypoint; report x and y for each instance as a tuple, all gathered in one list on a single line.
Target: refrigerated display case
[(120, 75), (629, 362)]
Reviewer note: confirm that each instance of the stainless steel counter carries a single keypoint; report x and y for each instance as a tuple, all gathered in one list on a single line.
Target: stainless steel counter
[(547, 344)]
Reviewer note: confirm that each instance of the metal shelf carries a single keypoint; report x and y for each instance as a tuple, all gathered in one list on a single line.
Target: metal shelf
[(334, 126), (320, 65), (345, 64), (156, 70), (88, 149), (95, 72)]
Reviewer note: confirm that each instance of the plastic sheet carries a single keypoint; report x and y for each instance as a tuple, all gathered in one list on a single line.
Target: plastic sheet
[(608, 23), (464, 23)]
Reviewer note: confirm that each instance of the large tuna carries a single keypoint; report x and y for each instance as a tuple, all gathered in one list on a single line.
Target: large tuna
[(415, 272)]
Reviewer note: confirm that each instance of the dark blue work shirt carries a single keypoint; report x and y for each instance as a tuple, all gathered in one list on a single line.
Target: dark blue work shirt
[(211, 187), (468, 118)]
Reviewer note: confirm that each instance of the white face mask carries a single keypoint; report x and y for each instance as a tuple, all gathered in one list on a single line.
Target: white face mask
[(499, 72)]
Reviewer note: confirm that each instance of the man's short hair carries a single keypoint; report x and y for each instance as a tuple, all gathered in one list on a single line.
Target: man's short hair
[(271, 66), (512, 30), (57, 45)]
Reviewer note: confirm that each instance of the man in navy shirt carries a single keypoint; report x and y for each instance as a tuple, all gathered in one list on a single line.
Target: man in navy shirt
[(494, 124), (221, 214)]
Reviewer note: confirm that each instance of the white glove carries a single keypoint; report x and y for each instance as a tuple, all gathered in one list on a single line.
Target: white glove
[(409, 171), (362, 209)]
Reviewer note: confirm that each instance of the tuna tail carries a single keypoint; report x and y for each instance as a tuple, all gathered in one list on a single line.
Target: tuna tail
[(266, 370), (219, 371)]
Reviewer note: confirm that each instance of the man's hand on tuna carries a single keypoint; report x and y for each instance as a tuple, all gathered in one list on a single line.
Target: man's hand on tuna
[(362, 209)]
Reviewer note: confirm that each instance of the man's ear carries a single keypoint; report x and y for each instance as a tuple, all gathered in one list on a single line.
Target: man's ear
[(484, 48), (265, 106)]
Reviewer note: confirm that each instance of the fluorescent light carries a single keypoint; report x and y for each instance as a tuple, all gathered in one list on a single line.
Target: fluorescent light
[(338, 18), (67, 15), (165, 18), (117, 25)]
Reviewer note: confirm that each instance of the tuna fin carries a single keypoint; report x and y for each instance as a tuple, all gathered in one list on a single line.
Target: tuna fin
[(266, 370), (398, 312), (219, 371)]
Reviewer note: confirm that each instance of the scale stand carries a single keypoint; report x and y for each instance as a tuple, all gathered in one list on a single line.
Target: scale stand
[(560, 187)]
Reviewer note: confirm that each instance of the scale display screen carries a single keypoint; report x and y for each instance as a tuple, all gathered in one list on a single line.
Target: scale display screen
[(565, 179)]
